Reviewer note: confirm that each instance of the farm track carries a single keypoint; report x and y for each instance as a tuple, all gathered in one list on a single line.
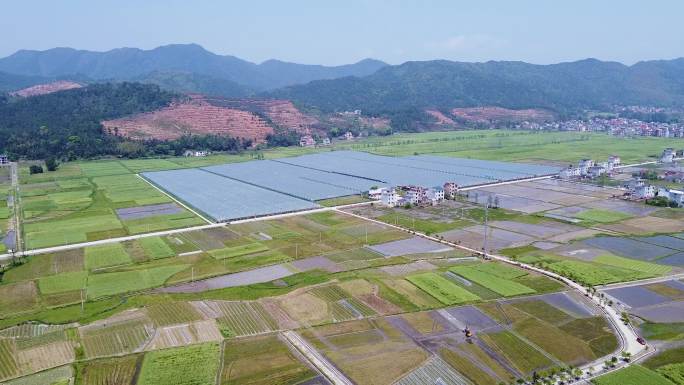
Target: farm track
[(317, 359)]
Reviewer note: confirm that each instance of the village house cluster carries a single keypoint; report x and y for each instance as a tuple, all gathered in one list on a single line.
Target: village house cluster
[(413, 195), (615, 126), (641, 189), (588, 168), (309, 141)]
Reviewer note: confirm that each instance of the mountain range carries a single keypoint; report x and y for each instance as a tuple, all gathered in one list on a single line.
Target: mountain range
[(369, 85), (189, 62), (579, 85)]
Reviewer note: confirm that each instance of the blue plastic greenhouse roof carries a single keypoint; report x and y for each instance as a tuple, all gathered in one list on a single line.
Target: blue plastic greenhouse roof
[(256, 188), (222, 198)]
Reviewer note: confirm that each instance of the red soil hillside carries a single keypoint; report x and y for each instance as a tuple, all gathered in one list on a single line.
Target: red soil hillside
[(48, 88), (195, 116), (440, 118), (281, 112), (489, 114)]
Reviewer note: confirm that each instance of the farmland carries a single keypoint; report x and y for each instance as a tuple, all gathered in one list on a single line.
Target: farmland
[(493, 282), (113, 371), (442, 289), (375, 301), (196, 365), (261, 360), (632, 375), (79, 209)]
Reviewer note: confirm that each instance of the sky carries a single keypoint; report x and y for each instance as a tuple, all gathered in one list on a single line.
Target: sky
[(345, 31)]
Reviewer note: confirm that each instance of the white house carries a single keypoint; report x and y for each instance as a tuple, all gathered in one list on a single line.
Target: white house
[(390, 198), (584, 165), (450, 189), (435, 195), (596, 171), (4, 159), (325, 141), (676, 196), (376, 192), (614, 161), (348, 135), (307, 141), (644, 191), (569, 173), (195, 153), (668, 155)]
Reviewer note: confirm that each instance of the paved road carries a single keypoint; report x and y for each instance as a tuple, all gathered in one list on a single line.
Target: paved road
[(317, 359), (16, 207), (626, 333)]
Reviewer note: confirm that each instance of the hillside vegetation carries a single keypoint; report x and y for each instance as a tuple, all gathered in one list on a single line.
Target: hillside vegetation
[(564, 87)]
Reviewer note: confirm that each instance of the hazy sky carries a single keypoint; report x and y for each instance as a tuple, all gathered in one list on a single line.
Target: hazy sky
[(344, 31)]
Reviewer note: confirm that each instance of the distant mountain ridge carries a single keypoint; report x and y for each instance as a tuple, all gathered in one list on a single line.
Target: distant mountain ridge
[(442, 84), (134, 63)]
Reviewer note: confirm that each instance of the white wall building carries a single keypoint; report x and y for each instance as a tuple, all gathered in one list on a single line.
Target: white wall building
[(390, 198), (668, 155)]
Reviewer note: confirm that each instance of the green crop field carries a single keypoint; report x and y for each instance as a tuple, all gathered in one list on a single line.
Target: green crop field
[(554, 341), (171, 313), (594, 273), (500, 270), (117, 339), (60, 283), (516, 146), (673, 372), (81, 207), (421, 225), (237, 251), (112, 254), (348, 200), (244, 319), (155, 247), (106, 284), (56, 376), (112, 371), (193, 365), (496, 284), (633, 264), (520, 354), (442, 289), (262, 361), (601, 216), (632, 375), (8, 362)]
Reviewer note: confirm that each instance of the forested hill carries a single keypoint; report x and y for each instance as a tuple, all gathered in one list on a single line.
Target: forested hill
[(444, 84), (67, 123)]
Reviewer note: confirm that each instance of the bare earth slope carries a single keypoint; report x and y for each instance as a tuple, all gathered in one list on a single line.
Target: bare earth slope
[(196, 116), (48, 88)]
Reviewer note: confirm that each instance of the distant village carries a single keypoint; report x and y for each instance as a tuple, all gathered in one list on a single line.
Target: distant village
[(614, 126), (639, 187), (310, 141)]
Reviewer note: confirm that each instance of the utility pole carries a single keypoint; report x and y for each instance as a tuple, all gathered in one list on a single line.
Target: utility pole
[(486, 230)]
